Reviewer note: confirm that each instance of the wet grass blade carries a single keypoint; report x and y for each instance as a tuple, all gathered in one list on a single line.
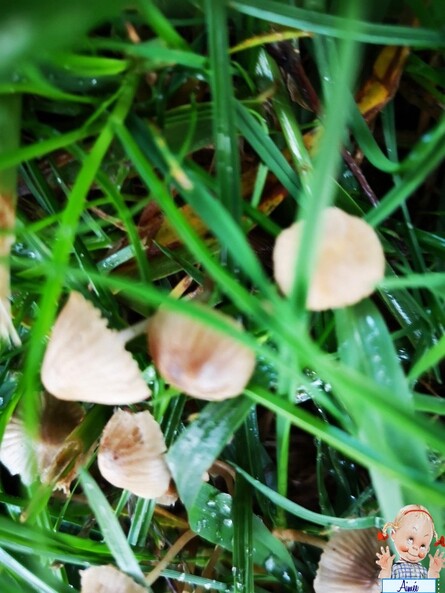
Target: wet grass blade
[(428, 360), (307, 515), (203, 441), (110, 528), (365, 344), (338, 26), (224, 130), (48, 585)]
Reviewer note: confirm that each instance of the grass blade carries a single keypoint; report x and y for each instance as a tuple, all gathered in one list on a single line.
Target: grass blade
[(111, 529)]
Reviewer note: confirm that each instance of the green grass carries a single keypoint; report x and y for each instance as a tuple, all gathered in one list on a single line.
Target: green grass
[(341, 423)]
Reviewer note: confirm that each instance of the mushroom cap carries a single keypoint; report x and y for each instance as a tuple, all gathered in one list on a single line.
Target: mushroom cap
[(131, 454), (197, 359), (87, 361), (349, 262), (29, 457), (16, 452), (107, 579), (348, 563), (169, 498)]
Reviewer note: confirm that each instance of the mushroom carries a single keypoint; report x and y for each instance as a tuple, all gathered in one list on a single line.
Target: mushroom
[(349, 262), (16, 452), (197, 359), (107, 579), (347, 564), (87, 361), (42, 456), (131, 454)]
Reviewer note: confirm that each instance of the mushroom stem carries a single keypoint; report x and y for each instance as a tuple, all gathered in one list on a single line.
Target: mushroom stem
[(133, 331), (294, 535), (180, 543)]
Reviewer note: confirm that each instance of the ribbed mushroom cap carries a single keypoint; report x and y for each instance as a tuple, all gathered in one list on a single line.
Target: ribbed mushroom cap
[(107, 579), (131, 454), (197, 359), (30, 458), (348, 563), (87, 361), (16, 452), (349, 262)]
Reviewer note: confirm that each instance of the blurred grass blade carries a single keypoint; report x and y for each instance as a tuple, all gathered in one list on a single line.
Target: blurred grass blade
[(307, 515), (432, 281), (267, 150), (110, 528), (428, 359), (337, 26), (141, 521), (161, 25), (268, 73), (50, 585), (224, 132), (31, 31), (320, 186), (44, 147), (429, 403), (406, 188), (365, 344), (369, 456), (63, 547)]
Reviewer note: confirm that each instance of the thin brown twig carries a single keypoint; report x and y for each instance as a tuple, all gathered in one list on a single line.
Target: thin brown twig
[(209, 567), (294, 535), (180, 543)]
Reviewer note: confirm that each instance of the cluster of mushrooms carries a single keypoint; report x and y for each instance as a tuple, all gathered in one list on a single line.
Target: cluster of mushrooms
[(85, 361)]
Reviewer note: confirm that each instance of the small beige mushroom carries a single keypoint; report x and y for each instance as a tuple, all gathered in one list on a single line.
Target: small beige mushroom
[(169, 498), (87, 361), (347, 564), (131, 454), (41, 456), (16, 452), (107, 579), (196, 358), (348, 265)]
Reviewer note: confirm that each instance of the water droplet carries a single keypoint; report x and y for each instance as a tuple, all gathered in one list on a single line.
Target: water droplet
[(275, 566), (201, 525)]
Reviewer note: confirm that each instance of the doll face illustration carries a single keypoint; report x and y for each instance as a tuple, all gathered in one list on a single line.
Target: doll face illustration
[(413, 537)]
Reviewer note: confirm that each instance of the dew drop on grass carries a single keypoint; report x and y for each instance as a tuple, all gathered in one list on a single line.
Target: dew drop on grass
[(224, 507), (274, 566), (201, 525)]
